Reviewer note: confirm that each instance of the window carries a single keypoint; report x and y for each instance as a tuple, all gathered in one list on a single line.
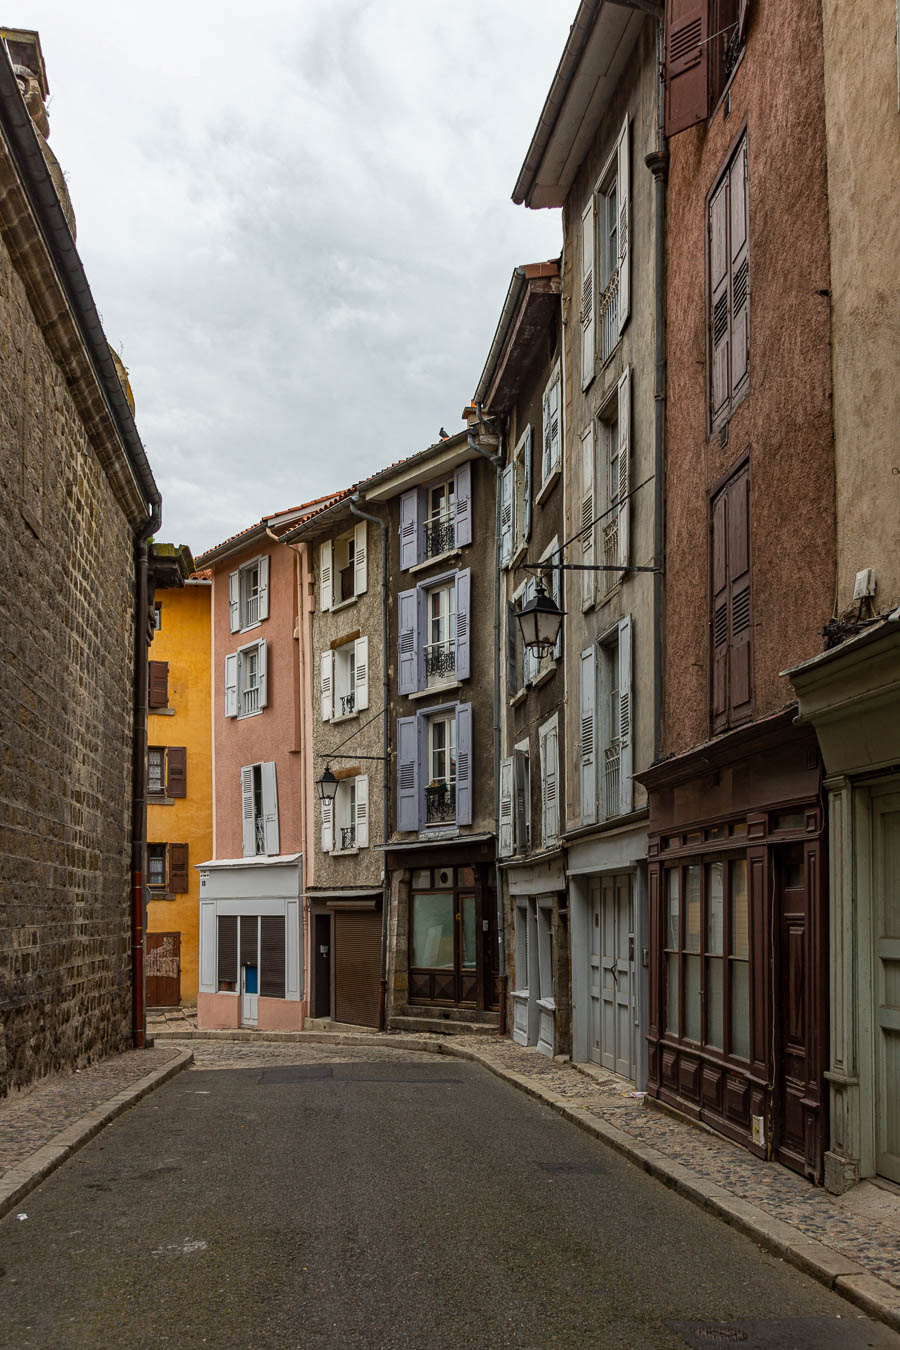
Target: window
[(516, 654), (704, 41), (157, 684), (605, 260), (345, 679), (345, 822), (433, 632), (157, 617), (707, 955), (551, 454), (605, 503), (515, 501), (728, 319), (606, 738), (731, 648), (515, 802), (552, 579), (434, 768), (248, 594), (246, 680), (157, 866), (436, 519), (167, 870), (343, 568), (259, 806), (166, 771), (548, 743)]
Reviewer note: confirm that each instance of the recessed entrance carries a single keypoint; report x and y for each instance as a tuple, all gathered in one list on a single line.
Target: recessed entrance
[(613, 988)]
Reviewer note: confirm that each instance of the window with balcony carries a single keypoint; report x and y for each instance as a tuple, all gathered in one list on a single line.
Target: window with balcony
[(259, 807), (440, 791), (345, 679), (433, 632), (605, 502), (248, 594), (343, 568), (434, 768), (246, 680), (605, 260), (440, 525), (440, 647), (606, 725), (436, 519), (345, 821)]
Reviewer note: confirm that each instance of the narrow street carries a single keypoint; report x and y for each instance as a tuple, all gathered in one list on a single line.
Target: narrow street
[(323, 1197)]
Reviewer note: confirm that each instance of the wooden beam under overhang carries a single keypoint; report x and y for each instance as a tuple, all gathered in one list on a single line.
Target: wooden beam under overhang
[(539, 306)]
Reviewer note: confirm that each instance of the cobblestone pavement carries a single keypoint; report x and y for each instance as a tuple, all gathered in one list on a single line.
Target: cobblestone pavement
[(31, 1119), (263, 1054)]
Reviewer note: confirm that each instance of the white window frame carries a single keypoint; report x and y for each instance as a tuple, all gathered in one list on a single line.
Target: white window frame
[(158, 886), (262, 825), (345, 817), (518, 600), (243, 619), (447, 517), (521, 486), (551, 460), (544, 964), (349, 549), (614, 719), (550, 801), (344, 681), (445, 591), (159, 750), (248, 706), (521, 844), (612, 282), (450, 751)]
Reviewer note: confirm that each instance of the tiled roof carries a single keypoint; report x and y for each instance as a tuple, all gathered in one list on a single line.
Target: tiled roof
[(285, 518)]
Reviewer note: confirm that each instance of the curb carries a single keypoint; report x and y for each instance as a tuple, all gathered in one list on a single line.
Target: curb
[(31, 1171)]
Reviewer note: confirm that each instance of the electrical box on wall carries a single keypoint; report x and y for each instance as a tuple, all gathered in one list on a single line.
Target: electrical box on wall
[(759, 1130), (864, 584)]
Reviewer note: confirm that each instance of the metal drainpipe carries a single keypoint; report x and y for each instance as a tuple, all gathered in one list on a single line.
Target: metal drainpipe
[(497, 461), (386, 750), (658, 164), (138, 771)]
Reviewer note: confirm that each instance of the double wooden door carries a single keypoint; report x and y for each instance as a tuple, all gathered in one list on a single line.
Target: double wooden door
[(613, 985), (163, 969)]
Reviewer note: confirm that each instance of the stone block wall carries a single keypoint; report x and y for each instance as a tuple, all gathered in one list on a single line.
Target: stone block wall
[(66, 656)]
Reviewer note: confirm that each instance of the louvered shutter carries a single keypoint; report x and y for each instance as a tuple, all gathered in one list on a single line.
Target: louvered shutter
[(719, 327), (587, 293), (227, 949), (326, 663), (626, 717), (234, 600), (158, 684), (176, 771), (588, 735), (271, 956), (179, 881), (527, 467), (408, 642), (530, 662), (362, 811), (623, 225), (505, 847), (231, 698), (361, 663), (326, 574), (248, 813), (462, 490), (262, 672), (512, 669), (407, 774), (409, 529), (360, 562), (522, 801), (264, 587), (588, 528), (556, 591), (464, 764), (719, 635), (686, 64), (327, 826), (549, 785), (463, 624), (740, 630), (249, 939), (507, 490), (270, 808), (551, 430), (624, 465), (740, 268)]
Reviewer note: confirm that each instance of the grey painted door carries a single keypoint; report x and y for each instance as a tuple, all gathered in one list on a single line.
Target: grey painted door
[(886, 933), (612, 975)]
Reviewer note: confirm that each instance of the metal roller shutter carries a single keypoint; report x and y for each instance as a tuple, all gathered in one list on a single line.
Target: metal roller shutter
[(357, 966)]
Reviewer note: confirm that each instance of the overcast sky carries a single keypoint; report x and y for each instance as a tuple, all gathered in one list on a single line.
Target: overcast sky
[(296, 220)]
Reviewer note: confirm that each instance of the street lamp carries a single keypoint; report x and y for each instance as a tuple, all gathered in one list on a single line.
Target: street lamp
[(540, 620), (327, 785)]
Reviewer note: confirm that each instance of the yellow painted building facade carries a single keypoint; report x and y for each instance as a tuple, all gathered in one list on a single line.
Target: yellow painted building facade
[(179, 792)]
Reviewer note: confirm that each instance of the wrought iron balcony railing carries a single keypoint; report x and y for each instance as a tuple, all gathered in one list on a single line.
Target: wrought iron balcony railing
[(609, 316), (260, 828), (348, 836), (440, 803), (440, 659), (440, 535), (348, 704)]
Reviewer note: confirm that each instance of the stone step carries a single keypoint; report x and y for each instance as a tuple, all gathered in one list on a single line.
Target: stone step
[(326, 1024), (435, 1012), (443, 1026)]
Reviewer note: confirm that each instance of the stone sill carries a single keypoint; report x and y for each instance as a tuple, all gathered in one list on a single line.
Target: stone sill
[(344, 717), (438, 558), (435, 689), (545, 675), (548, 486), (344, 852), (518, 698), (161, 712), (157, 800), (344, 604)]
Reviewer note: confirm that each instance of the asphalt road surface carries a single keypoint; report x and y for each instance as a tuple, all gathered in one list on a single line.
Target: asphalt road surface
[(383, 1202)]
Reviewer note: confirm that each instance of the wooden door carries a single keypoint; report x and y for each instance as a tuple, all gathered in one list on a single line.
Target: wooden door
[(249, 949), (794, 1021), (886, 982), (163, 970), (623, 974), (595, 973), (612, 975), (322, 965), (357, 966)]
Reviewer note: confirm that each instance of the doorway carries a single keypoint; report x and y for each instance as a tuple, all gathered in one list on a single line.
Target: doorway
[(794, 1020), (249, 948), (322, 945), (453, 948), (613, 1008), (163, 970), (886, 981)]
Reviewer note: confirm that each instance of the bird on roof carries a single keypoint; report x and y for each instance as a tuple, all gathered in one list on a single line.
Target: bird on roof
[(444, 435)]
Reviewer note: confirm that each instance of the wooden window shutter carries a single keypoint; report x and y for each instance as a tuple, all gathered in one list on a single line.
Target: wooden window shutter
[(362, 811), (626, 717), (248, 812), (270, 807), (327, 685), (234, 600), (179, 880), (176, 771), (623, 226), (158, 684), (264, 587), (623, 475), (739, 616), (686, 64), (361, 664), (407, 774), (587, 293), (549, 775), (522, 800), (719, 318), (360, 562), (271, 956), (326, 574), (231, 682), (719, 617), (227, 948), (530, 662), (327, 827), (588, 753), (464, 764), (262, 672), (408, 641), (527, 467), (463, 624), (740, 268), (556, 589), (409, 529), (462, 488), (505, 844), (512, 665), (507, 496), (588, 527)]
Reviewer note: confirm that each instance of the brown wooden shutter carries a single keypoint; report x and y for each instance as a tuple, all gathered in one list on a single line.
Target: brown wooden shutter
[(719, 317), (719, 626), (687, 63), (158, 685), (176, 771), (228, 948), (249, 940), (271, 956), (739, 619), (179, 880), (740, 268)]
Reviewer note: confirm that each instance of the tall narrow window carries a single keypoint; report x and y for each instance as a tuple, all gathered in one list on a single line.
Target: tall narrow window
[(729, 289), (440, 794), (730, 605), (440, 648), (440, 534)]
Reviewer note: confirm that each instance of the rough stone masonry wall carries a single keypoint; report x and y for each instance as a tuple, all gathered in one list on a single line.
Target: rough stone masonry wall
[(66, 624)]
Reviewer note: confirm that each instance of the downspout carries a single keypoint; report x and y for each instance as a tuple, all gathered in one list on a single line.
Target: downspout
[(497, 461), (386, 751)]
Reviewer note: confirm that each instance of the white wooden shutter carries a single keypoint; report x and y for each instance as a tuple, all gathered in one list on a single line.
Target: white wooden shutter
[(326, 574), (327, 665), (556, 590), (589, 735), (231, 692), (626, 715), (549, 784), (327, 827), (234, 600), (360, 563), (507, 493), (361, 662), (587, 293), (506, 808), (270, 807), (247, 812), (588, 527), (623, 226), (262, 670), (362, 811), (264, 587), (624, 457)]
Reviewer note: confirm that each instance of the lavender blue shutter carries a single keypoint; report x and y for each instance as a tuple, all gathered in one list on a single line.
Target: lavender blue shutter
[(407, 774), (464, 764), (463, 624), (409, 529), (526, 528), (408, 642), (463, 491)]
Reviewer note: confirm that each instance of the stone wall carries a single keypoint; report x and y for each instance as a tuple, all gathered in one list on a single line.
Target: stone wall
[(66, 634)]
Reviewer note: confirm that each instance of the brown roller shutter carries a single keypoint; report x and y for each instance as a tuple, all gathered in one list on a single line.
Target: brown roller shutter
[(228, 948), (687, 63), (176, 771), (249, 940), (271, 956), (158, 684), (179, 880), (357, 966)]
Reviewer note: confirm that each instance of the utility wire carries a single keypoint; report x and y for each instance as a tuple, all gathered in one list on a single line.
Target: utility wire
[(596, 521)]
